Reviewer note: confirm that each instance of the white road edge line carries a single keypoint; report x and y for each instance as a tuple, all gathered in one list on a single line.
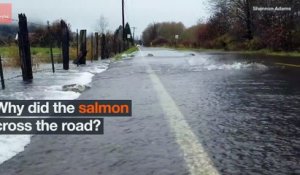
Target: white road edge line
[(195, 156)]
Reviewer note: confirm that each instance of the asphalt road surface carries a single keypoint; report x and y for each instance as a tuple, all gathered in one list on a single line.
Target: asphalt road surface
[(193, 113)]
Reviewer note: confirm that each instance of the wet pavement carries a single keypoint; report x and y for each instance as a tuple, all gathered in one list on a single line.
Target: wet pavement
[(200, 113)]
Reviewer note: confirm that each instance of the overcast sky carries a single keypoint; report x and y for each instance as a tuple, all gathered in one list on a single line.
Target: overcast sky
[(83, 14)]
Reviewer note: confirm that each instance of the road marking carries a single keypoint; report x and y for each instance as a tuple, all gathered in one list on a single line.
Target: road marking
[(290, 65), (195, 156)]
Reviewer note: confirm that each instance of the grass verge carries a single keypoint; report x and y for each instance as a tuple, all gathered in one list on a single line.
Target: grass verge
[(126, 53), (10, 55)]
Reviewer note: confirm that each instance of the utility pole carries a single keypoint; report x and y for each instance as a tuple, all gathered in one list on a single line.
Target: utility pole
[(133, 31), (123, 19), (77, 41)]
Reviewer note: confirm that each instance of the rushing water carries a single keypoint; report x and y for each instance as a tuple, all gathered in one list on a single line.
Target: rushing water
[(244, 109)]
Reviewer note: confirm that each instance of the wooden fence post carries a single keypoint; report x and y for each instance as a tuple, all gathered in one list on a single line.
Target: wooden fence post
[(83, 50), (1, 74), (24, 49), (81, 59), (51, 50), (77, 43), (97, 46), (103, 47), (92, 47), (65, 44), (115, 45)]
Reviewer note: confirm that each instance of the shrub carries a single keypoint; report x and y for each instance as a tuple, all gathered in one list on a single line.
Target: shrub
[(222, 42), (254, 44), (160, 42)]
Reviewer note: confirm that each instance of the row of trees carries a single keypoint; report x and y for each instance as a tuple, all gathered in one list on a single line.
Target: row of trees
[(8, 32), (162, 33), (235, 25), (40, 35), (114, 42)]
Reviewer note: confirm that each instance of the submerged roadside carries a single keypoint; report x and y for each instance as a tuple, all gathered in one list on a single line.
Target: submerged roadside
[(280, 59), (263, 52), (61, 85)]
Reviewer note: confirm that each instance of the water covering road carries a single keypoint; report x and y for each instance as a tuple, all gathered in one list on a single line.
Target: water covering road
[(193, 113)]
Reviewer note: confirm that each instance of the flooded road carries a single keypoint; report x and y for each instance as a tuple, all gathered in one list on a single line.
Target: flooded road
[(193, 113), (46, 85)]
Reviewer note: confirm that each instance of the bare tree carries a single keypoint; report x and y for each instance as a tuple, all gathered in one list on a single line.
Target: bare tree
[(103, 24)]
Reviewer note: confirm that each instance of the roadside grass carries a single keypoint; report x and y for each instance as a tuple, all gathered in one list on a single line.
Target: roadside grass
[(10, 55), (273, 53), (11, 58), (125, 53)]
